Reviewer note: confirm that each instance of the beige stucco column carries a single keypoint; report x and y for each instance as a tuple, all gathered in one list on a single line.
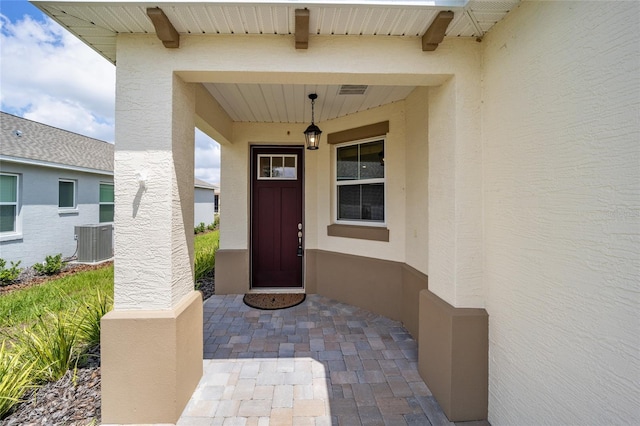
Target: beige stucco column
[(152, 341), (453, 352)]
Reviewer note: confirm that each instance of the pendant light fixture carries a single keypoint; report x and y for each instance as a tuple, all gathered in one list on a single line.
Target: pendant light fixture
[(313, 132)]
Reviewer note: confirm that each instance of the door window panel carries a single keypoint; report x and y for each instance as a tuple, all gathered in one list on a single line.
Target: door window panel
[(277, 167)]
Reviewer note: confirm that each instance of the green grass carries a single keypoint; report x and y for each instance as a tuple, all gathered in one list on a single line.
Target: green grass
[(206, 246), (203, 241), (24, 307), (62, 294)]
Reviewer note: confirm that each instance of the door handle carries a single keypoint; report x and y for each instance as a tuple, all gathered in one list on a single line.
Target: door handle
[(300, 252)]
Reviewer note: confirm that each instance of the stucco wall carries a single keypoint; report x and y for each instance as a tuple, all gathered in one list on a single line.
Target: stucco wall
[(46, 231), (155, 112), (394, 166), (455, 185), (417, 179), (561, 150), (234, 175), (318, 183)]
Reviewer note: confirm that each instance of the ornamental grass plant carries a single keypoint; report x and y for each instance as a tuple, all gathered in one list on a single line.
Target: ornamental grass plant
[(52, 345), (89, 323), (15, 377), (50, 328)]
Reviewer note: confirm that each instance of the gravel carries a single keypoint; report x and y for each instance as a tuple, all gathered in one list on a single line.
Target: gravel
[(73, 400)]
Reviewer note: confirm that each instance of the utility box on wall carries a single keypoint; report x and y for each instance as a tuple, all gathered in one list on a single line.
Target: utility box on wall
[(95, 242)]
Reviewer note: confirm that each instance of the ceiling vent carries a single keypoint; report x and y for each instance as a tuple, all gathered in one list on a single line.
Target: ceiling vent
[(352, 89)]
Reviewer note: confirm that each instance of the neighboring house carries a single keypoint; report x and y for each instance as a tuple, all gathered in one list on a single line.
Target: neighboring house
[(51, 180), (496, 217), (206, 198)]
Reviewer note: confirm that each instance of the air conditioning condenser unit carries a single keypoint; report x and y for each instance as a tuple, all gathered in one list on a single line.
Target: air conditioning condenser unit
[(95, 242)]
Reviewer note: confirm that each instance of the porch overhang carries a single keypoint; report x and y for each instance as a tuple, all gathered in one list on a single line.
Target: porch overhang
[(98, 23)]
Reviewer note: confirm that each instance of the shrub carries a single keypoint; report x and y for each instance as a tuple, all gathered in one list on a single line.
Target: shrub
[(211, 227), (200, 228), (15, 378), (8, 274), (52, 265)]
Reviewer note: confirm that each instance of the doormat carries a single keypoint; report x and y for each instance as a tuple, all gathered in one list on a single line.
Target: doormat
[(271, 301)]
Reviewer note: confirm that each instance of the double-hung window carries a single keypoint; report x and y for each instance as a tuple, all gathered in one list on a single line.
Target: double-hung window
[(106, 202), (66, 194), (360, 182), (9, 204)]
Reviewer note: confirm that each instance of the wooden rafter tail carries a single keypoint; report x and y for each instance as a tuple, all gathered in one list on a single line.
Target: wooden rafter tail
[(302, 28), (436, 31), (165, 30)]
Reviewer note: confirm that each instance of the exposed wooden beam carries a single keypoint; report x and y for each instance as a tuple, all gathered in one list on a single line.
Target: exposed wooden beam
[(435, 33), (302, 28), (165, 30)]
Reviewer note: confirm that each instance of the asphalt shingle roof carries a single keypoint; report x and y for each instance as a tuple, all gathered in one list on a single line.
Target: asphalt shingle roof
[(203, 184), (31, 140)]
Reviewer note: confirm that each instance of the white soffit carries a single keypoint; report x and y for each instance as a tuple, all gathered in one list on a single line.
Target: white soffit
[(97, 23), (275, 103)]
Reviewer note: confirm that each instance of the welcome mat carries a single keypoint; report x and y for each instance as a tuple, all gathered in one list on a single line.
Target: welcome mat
[(270, 301)]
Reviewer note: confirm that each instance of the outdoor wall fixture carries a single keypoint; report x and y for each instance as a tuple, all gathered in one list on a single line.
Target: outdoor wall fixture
[(313, 132), (141, 178)]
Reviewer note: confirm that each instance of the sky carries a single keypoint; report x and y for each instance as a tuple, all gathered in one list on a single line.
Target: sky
[(48, 75)]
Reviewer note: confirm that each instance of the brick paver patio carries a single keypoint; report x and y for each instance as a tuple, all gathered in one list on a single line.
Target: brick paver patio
[(319, 363)]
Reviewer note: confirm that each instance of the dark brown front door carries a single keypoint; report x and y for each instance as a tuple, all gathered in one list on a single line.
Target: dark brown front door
[(276, 217)]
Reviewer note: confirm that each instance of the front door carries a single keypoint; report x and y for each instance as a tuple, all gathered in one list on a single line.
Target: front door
[(276, 217)]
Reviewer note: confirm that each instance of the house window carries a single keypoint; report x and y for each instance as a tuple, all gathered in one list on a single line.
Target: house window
[(9, 197), (360, 182), (66, 194), (106, 202)]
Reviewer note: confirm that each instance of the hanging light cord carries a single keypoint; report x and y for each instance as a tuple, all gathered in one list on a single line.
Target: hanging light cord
[(313, 101)]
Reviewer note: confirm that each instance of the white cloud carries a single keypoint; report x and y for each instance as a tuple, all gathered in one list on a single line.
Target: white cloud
[(47, 75), (207, 158)]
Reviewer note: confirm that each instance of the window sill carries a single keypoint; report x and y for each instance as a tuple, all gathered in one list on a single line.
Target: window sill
[(68, 211), (373, 233), (10, 237)]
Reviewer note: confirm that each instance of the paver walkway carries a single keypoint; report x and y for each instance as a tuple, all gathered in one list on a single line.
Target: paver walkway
[(319, 363)]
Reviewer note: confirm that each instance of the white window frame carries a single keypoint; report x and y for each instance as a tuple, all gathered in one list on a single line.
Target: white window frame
[(16, 234), (101, 203), (74, 208), (337, 183), (270, 157)]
